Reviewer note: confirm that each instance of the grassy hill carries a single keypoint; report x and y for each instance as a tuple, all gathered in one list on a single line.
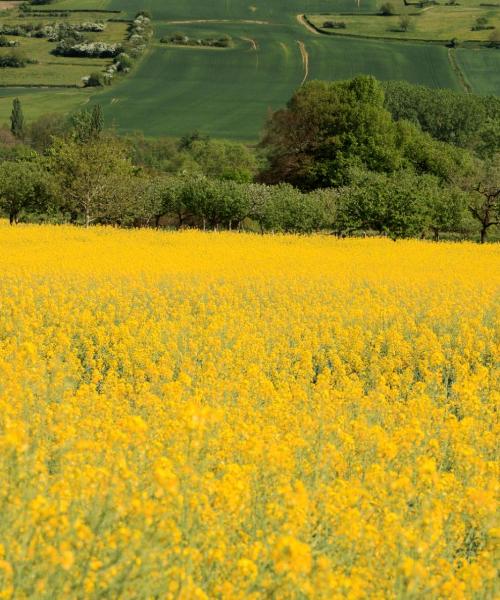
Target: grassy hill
[(432, 23), (227, 93)]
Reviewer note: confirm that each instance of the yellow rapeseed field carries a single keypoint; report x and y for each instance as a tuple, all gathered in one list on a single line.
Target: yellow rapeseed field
[(190, 416)]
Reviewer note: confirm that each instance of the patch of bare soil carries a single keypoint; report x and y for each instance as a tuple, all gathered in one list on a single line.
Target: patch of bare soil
[(7, 5)]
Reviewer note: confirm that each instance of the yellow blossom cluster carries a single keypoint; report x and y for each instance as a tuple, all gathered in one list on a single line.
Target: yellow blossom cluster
[(200, 415)]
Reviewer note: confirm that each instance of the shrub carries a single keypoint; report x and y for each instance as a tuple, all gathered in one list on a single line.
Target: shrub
[(95, 27), (334, 25), (387, 9), (405, 23), (123, 62), (494, 40), (95, 79), (222, 42), (181, 39), (14, 59), (482, 24), (88, 49), (6, 43)]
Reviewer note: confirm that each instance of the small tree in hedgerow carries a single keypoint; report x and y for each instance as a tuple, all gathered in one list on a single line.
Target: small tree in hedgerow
[(97, 120), (87, 124), (17, 119), (24, 187), (387, 9), (483, 187), (95, 79), (405, 23), (494, 39)]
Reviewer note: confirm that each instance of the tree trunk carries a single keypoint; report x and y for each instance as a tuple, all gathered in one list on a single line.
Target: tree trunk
[(484, 232), (87, 218), (12, 218)]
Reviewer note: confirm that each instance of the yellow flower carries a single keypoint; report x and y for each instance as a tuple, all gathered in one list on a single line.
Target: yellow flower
[(291, 556), (247, 568), (245, 416)]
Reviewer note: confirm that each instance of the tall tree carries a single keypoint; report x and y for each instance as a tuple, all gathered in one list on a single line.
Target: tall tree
[(24, 186), (465, 120), (484, 195), (96, 121), (41, 132), (224, 159), (17, 119), (327, 127), (87, 124), (95, 179)]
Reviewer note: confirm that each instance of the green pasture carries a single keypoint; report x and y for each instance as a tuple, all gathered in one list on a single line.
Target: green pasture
[(76, 4), (228, 93), (275, 10), (49, 69), (41, 101), (481, 69), (55, 70), (432, 23), (278, 11), (342, 58), (225, 93)]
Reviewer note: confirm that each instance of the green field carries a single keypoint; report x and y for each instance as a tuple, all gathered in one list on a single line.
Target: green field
[(481, 69), (49, 69), (432, 23), (227, 94), (38, 102), (174, 90), (279, 11)]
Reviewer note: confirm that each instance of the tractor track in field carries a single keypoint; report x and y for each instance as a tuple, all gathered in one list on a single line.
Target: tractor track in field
[(201, 21), (254, 47), (302, 21), (452, 59), (305, 60), (252, 43)]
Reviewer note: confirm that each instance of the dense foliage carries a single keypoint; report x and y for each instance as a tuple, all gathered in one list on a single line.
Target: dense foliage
[(335, 159), (68, 47), (329, 127), (464, 120), (13, 59)]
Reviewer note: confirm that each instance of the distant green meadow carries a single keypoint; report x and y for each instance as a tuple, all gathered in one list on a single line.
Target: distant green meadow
[(228, 93)]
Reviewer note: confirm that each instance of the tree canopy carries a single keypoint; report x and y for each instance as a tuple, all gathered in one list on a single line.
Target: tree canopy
[(329, 127)]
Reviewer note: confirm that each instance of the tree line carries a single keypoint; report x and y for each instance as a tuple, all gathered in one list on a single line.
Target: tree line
[(351, 157)]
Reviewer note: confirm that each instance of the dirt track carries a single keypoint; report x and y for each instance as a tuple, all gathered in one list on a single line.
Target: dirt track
[(252, 42), (305, 60), (302, 21), (7, 5), (246, 21)]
